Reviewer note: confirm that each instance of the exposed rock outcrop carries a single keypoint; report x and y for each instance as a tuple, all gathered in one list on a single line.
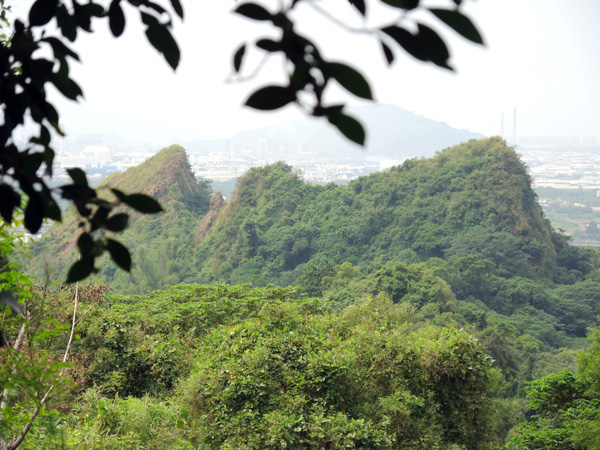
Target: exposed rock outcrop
[(216, 203)]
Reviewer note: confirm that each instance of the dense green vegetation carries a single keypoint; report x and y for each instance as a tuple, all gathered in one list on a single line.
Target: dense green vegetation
[(435, 308), (236, 367), (158, 243), (474, 198)]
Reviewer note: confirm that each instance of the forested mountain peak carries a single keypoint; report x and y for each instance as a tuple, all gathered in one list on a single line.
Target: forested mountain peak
[(471, 199), (157, 242), (166, 176), (474, 198)]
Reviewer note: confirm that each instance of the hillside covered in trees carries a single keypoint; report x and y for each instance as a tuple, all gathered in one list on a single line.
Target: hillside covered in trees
[(472, 199), (434, 307)]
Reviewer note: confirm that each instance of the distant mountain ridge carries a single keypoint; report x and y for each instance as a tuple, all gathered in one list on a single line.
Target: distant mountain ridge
[(471, 199), (392, 133)]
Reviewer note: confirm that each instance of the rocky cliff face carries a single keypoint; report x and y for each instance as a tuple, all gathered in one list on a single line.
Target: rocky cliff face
[(216, 203)]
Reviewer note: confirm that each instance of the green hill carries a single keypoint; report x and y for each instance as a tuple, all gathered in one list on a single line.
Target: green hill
[(158, 244), (474, 198), (471, 199)]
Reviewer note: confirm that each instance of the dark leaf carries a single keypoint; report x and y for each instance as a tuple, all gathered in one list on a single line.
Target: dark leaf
[(99, 218), (409, 42), (34, 212), (78, 176), (349, 126), (67, 23), (32, 162), (268, 45), (238, 57), (253, 11), (437, 51), (78, 193), (60, 49), (52, 209), (66, 86), (119, 194), (350, 79), (43, 139), (117, 223), (48, 159), (116, 18), (119, 254), (42, 11), (94, 9), (82, 16), (177, 7), (161, 39), (85, 243), (80, 269), (142, 203), (9, 201), (271, 97), (459, 23), (402, 4), (389, 56), (360, 5), (300, 77)]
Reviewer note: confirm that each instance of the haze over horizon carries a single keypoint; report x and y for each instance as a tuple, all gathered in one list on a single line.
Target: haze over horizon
[(538, 59)]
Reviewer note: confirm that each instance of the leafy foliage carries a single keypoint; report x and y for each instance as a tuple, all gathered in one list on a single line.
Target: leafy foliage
[(366, 379)]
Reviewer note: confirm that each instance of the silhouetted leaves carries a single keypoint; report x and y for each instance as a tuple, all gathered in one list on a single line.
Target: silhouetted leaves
[(402, 4), (177, 7), (119, 254), (116, 18), (60, 49), (253, 11), (350, 79), (348, 126), (162, 40), (85, 243), (117, 223), (140, 202), (459, 23), (238, 57), (42, 11), (268, 45), (10, 200), (387, 51), (80, 269), (78, 176), (271, 97), (67, 25), (407, 41), (34, 212), (437, 51), (360, 5)]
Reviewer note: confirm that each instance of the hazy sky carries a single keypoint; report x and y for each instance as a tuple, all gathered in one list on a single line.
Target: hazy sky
[(541, 58)]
